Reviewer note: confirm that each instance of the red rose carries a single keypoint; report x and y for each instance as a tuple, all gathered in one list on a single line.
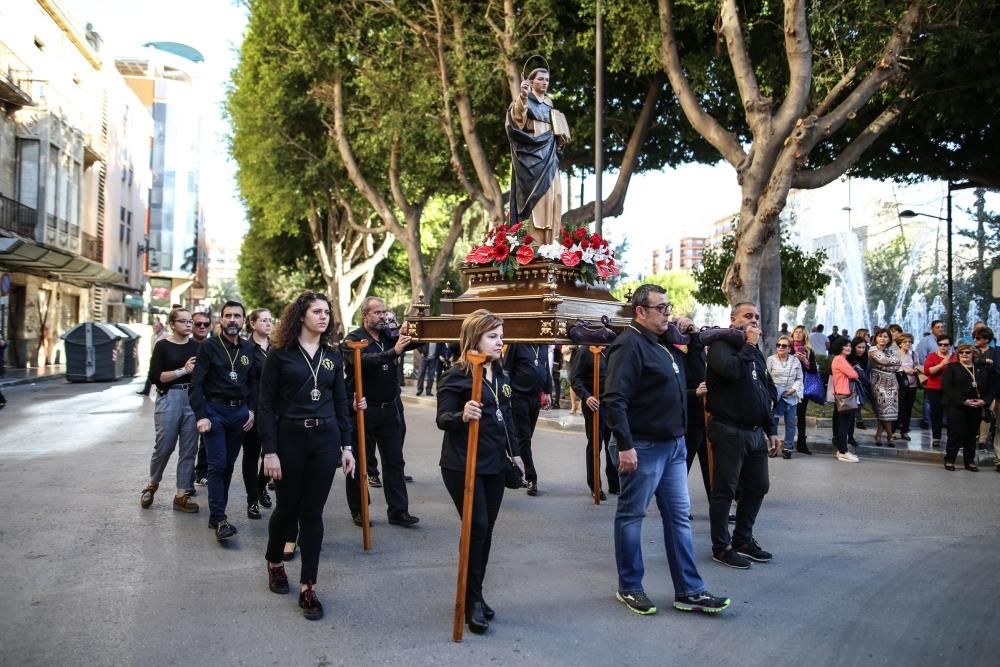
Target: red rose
[(528, 239), (580, 234), (501, 231), (569, 258), (501, 252), (524, 255), (596, 240), (513, 230), (585, 243), (579, 254), (482, 255), (567, 242)]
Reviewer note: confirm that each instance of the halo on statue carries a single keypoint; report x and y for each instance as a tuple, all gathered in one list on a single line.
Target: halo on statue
[(530, 58)]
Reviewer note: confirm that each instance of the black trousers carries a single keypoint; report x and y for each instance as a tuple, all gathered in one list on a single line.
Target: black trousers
[(800, 423), (937, 412), (740, 457), (370, 453), (251, 463), (697, 444), (308, 464), (486, 500), (907, 395), (843, 421), (384, 430), (525, 408), (556, 388), (201, 462), (963, 429), (610, 470)]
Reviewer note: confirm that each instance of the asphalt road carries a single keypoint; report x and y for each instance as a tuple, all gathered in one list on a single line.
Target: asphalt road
[(880, 563)]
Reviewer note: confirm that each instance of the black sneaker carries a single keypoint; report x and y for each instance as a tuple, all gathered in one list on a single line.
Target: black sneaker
[(803, 449), (253, 511), (786, 453), (265, 499), (201, 481), (532, 488), (277, 580), (224, 530), (310, 605), (405, 519), (753, 552), (732, 517), (407, 479), (704, 602), (730, 558), (374, 481), (637, 602)]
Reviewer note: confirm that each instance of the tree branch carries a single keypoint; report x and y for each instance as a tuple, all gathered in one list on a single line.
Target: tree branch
[(756, 107), (723, 141), (798, 50), (394, 183), (454, 233), (836, 91)]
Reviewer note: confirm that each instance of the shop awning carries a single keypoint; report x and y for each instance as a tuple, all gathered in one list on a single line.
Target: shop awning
[(18, 254)]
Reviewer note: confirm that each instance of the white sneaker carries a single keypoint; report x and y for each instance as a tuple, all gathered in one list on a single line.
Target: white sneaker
[(847, 457)]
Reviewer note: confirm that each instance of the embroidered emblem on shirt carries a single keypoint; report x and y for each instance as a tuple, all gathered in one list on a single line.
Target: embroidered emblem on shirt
[(507, 390), (327, 364), (244, 360)]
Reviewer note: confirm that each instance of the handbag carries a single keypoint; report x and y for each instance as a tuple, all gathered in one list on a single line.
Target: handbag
[(813, 388), (845, 402), (592, 333), (512, 478)]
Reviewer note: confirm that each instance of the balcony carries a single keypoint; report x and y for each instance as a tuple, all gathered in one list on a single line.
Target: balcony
[(18, 218), (15, 79), (60, 233), (93, 247)]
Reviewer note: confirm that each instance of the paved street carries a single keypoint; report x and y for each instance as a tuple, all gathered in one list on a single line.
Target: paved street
[(882, 563)]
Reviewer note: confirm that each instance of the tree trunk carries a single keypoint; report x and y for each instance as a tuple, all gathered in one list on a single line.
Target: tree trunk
[(770, 292)]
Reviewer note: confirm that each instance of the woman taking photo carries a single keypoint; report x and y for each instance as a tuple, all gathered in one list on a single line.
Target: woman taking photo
[(259, 324), (305, 428), (909, 382), (966, 390), (786, 372), (845, 402), (803, 351), (170, 367), (884, 386), (482, 331)]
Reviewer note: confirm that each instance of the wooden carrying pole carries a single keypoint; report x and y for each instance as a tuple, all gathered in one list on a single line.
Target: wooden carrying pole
[(362, 467), (708, 451), (472, 452), (596, 435)]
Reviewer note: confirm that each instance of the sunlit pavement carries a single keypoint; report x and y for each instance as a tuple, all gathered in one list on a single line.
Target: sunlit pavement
[(886, 562)]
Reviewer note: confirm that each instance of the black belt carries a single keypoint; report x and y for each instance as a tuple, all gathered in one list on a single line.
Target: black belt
[(734, 424), (314, 422), (179, 386), (231, 402), (382, 405)]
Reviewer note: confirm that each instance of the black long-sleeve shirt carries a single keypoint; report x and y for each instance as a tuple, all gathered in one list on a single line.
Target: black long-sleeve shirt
[(285, 385), (582, 379), (379, 366), (645, 395), (169, 356), (956, 384), (496, 437), (216, 359), (740, 390), (528, 368)]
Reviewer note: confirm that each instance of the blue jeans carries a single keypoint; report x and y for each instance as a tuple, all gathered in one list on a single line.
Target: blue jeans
[(222, 446), (790, 413), (661, 471), (428, 370)]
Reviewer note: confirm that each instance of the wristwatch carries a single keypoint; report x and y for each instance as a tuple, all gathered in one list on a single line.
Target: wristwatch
[(348, 448)]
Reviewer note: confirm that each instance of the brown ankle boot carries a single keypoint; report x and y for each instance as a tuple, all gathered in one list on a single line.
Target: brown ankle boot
[(146, 499), (185, 504)]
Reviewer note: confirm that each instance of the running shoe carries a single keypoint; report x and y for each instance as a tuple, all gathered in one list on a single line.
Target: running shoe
[(637, 602), (704, 602)]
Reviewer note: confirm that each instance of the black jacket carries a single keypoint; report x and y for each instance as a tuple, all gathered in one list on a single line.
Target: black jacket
[(380, 366), (645, 397), (956, 385), (496, 438), (740, 390), (526, 376), (216, 359), (582, 378)]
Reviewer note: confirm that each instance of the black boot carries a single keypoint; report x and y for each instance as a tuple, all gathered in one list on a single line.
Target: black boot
[(475, 617)]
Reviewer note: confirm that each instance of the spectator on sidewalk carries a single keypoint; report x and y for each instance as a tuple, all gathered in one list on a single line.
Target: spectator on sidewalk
[(909, 384), (966, 389), (934, 365), (807, 358), (820, 343), (428, 368), (786, 373), (845, 403), (927, 345)]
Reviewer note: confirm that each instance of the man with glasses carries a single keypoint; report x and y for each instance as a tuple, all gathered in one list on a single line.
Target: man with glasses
[(740, 400), (384, 426), (223, 396), (646, 404), (200, 330), (934, 365)]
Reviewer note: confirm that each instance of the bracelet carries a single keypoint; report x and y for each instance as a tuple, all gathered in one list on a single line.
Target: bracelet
[(347, 449), (180, 372)]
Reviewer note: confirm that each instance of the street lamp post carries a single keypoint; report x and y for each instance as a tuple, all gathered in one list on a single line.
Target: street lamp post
[(912, 214)]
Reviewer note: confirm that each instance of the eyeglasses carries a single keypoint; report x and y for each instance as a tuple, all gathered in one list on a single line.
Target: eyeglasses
[(203, 324), (182, 321), (944, 344), (779, 345), (662, 308)]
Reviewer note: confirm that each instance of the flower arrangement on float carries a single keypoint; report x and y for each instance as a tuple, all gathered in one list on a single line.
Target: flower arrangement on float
[(507, 248)]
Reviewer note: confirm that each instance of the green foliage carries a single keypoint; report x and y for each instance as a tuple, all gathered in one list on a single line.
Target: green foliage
[(983, 243), (802, 275), (680, 286), (275, 268)]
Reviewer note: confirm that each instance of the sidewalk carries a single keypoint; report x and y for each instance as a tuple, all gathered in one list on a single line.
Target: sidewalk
[(819, 435), (16, 376)]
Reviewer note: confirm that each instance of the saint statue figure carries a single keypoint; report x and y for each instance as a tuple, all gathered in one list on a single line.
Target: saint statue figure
[(537, 133)]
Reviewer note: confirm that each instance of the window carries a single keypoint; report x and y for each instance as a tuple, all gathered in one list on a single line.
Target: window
[(121, 214), (121, 233)]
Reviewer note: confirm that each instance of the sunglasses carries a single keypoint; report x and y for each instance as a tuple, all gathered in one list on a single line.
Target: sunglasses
[(944, 344), (965, 352), (203, 324), (782, 345)]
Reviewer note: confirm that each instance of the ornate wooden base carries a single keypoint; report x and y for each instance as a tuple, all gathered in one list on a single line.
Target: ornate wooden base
[(539, 304)]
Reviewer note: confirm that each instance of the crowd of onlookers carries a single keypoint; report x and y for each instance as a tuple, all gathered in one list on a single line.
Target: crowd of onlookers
[(885, 370)]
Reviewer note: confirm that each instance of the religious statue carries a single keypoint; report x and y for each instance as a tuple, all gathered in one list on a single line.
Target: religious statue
[(537, 133)]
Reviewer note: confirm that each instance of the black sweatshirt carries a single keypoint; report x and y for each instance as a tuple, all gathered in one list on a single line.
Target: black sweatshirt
[(169, 356), (211, 379), (379, 367), (528, 368), (285, 386), (645, 395), (740, 390)]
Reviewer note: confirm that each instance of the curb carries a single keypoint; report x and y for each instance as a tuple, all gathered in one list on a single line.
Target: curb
[(52, 377)]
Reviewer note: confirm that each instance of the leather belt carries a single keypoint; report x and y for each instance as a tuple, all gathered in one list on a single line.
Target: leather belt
[(733, 424), (184, 386), (313, 423), (381, 405), (231, 402)]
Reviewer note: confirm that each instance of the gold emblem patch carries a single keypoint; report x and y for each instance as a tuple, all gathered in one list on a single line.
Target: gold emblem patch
[(327, 364), (506, 390), (244, 360)]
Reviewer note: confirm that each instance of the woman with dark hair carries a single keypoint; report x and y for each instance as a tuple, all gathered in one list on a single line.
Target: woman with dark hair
[(966, 389), (305, 428), (803, 351), (845, 403), (259, 324), (170, 365), (482, 331), (934, 365), (884, 385), (858, 359)]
